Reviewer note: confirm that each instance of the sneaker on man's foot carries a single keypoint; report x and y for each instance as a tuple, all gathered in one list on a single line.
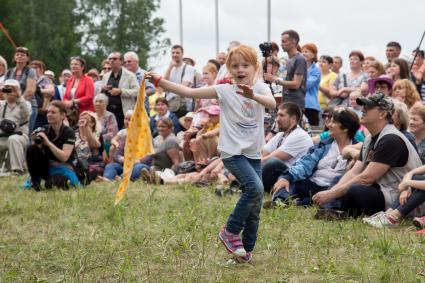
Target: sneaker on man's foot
[(330, 214), (419, 222), (146, 175), (381, 219), (232, 242)]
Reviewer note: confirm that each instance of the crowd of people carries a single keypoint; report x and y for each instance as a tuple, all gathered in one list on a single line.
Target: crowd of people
[(240, 122)]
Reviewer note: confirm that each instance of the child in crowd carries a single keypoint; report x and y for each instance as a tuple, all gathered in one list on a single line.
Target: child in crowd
[(240, 141), (353, 104)]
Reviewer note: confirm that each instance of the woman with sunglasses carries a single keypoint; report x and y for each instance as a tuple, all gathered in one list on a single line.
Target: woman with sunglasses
[(327, 117), (79, 91), (315, 171)]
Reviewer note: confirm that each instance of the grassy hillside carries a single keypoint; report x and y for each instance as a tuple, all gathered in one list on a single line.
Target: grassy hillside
[(169, 234)]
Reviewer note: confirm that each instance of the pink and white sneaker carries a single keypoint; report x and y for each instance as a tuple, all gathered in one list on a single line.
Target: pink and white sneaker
[(232, 243)]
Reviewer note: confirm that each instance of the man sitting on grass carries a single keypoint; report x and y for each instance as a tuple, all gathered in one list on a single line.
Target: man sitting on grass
[(386, 156)]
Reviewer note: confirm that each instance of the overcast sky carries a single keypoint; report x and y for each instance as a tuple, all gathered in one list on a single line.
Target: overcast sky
[(335, 26)]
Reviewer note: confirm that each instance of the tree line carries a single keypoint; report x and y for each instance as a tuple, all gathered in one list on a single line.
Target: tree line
[(56, 30)]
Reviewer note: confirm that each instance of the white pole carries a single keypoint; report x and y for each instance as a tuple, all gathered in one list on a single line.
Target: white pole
[(269, 20), (181, 21), (217, 39)]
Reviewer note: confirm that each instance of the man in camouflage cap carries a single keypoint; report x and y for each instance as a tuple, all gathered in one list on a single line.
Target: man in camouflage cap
[(379, 100), (371, 186)]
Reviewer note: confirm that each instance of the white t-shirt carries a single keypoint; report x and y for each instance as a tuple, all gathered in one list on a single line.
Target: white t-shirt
[(241, 121), (330, 166), (176, 77), (222, 72), (296, 144)]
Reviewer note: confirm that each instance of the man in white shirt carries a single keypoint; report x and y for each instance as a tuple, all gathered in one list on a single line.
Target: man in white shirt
[(223, 75), (291, 143), (180, 73), (131, 63)]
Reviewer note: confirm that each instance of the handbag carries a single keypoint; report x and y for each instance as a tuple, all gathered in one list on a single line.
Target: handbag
[(339, 101)]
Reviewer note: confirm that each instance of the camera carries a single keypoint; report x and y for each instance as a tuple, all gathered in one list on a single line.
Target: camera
[(37, 138), (108, 90), (7, 90), (266, 49)]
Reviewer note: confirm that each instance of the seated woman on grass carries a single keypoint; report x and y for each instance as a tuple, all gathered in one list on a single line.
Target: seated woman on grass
[(114, 169), (88, 146), (316, 171), (167, 152), (51, 155)]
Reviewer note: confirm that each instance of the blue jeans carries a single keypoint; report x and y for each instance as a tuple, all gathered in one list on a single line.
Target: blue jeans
[(246, 215), (272, 169), (115, 169), (33, 118), (416, 199), (303, 190)]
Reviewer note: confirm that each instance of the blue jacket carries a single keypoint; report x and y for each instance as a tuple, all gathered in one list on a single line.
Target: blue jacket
[(313, 82), (306, 165)]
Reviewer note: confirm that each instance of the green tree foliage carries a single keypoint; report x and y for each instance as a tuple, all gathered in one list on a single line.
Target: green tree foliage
[(120, 25), (45, 27), (55, 30)]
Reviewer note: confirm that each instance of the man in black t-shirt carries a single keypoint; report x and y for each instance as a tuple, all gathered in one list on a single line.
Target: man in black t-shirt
[(367, 188)]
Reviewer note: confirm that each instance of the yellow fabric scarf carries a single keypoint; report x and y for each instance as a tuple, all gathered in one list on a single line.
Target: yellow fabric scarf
[(138, 142)]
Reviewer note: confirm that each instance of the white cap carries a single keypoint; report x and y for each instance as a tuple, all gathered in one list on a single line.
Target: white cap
[(49, 73), (66, 71), (13, 83)]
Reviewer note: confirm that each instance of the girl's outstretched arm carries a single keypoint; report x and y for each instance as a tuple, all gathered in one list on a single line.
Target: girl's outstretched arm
[(204, 92), (267, 100)]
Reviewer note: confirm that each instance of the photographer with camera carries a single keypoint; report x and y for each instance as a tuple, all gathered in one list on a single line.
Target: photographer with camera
[(52, 154), (294, 84), (15, 112)]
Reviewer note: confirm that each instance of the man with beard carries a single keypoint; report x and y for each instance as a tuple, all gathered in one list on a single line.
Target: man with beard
[(291, 143)]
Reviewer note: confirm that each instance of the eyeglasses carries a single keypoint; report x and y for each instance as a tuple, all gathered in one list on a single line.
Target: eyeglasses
[(381, 87), (326, 116), (106, 69), (113, 58), (128, 61)]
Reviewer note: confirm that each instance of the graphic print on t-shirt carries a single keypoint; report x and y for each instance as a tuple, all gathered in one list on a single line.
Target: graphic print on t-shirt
[(247, 110)]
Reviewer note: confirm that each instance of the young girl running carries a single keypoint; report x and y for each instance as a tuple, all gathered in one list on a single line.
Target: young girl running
[(240, 142)]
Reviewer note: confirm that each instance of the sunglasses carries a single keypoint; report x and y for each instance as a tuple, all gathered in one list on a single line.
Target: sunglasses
[(113, 58), (326, 116), (106, 69)]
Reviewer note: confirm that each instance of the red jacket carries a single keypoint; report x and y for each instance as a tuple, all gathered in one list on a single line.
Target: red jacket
[(84, 93)]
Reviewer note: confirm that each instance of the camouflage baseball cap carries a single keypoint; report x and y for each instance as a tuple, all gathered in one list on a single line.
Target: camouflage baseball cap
[(377, 100)]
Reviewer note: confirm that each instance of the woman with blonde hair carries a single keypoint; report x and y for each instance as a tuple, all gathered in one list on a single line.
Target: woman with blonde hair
[(3, 69), (405, 91)]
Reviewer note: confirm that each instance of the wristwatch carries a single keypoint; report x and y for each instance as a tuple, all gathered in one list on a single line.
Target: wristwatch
[(278, 82)]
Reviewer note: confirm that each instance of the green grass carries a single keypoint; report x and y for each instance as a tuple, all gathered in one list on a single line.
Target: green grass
[(169, 234)]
